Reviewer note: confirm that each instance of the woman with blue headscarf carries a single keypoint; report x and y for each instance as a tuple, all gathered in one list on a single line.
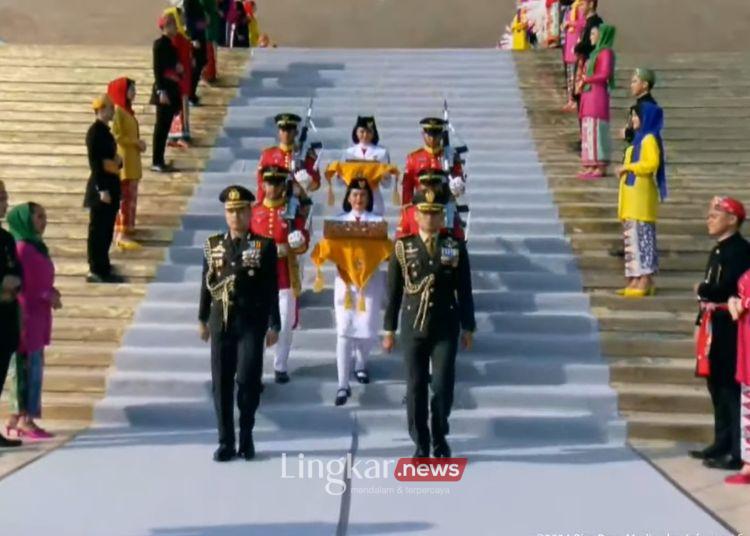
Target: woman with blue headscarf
[(643, 185)]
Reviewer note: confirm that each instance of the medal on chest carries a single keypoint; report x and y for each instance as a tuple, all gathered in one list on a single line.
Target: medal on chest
[(449, 253), (251, 256), (217, 256)]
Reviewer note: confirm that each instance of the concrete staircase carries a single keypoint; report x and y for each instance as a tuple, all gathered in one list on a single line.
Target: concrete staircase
[(648, 343), (536, 374), (533, 401), (45, 95)]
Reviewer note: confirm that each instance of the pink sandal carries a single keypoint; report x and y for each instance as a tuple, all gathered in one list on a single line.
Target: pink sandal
[(590, 175), (739, 478), (35, 434), (13, 432)]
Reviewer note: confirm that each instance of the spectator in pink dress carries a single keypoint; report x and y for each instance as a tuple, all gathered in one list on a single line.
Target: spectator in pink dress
[(37, 298), (575, 21), (598, 80), (738, 308)]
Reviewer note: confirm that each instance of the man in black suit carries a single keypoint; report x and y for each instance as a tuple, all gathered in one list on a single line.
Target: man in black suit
[(239, 313), (165, 94), (728, 260), (429, 272), (10, 284)]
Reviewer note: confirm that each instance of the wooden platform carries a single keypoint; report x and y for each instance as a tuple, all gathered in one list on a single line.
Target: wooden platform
[(45, 96), (707, 137)]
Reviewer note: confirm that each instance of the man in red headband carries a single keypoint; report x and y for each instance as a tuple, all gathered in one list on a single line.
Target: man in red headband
[(716, 334)]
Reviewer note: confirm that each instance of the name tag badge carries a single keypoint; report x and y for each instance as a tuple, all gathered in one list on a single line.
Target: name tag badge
[(449, 256)]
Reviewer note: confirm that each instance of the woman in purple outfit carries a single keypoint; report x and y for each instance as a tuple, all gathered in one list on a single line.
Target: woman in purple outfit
[(37, 298), (596, 143)]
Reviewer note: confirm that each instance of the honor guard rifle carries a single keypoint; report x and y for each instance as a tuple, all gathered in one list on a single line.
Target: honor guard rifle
[(451, 156), (301, 150)]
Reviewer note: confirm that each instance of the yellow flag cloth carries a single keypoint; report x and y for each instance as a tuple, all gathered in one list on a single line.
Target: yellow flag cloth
[(357, 260), (176, 14), (373, 172)]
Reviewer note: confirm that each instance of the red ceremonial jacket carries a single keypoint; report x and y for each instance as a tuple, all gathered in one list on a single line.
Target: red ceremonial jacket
[(283, 156), (268, 220), (408, 225), (418, 161)]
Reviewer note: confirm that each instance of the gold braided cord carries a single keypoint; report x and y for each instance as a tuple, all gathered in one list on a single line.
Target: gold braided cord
[(224, 289), (423, 288)]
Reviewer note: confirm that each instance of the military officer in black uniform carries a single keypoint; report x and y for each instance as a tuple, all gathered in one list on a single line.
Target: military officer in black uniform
[(239, 313), (429, 272), (10, 284)]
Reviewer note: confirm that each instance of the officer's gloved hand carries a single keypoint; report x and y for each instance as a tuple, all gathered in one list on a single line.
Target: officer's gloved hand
[(296, 240), (457, 186), (303, 178)]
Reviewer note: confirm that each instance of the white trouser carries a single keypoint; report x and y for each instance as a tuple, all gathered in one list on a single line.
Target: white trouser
[(348, 350), (288, 311)]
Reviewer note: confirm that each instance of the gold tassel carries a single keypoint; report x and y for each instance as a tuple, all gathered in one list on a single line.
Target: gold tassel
[(347, 300), (361, 302), (319, 282), (331, 197), (395, 198)]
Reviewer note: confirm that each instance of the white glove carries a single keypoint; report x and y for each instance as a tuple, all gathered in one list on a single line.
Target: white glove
[(457, 186), (303, 178), (296, 239)]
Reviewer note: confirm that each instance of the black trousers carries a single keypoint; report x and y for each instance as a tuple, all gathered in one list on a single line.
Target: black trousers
[(236, 355), (200, 55), (417, 355), (101, 231), (164, 117), (5, 355), (725, 397)]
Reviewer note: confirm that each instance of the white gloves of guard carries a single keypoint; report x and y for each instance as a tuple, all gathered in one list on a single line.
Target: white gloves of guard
[(296, 239), (303, 178), (457, 186)]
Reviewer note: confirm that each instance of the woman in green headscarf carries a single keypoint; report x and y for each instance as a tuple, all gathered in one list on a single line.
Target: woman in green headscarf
[(37, 298), (596, 145)]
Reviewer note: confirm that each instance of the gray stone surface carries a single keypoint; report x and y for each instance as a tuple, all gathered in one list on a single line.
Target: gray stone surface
[(534, 412)]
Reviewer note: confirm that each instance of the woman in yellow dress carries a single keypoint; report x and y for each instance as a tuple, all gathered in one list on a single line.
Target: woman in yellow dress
[(643, 185), (520, 28), (130, 147)]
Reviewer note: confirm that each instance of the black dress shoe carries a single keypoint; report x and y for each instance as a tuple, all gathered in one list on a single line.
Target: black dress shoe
[(342, 395), (725, 463), (441, 449), (224, 453), (163, 168), (362, 376), (111, 278), (704, 454), (247, 450), (6, 443), (114, 278), (281, 377), (616, 251), (422, 452)]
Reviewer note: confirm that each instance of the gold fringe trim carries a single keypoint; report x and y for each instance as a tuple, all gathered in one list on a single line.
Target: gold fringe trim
[(395, 197), (319, 282), (331, 196)]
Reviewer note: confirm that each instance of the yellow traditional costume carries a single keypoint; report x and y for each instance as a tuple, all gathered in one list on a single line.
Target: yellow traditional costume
[(375, 173), (357, 243)]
